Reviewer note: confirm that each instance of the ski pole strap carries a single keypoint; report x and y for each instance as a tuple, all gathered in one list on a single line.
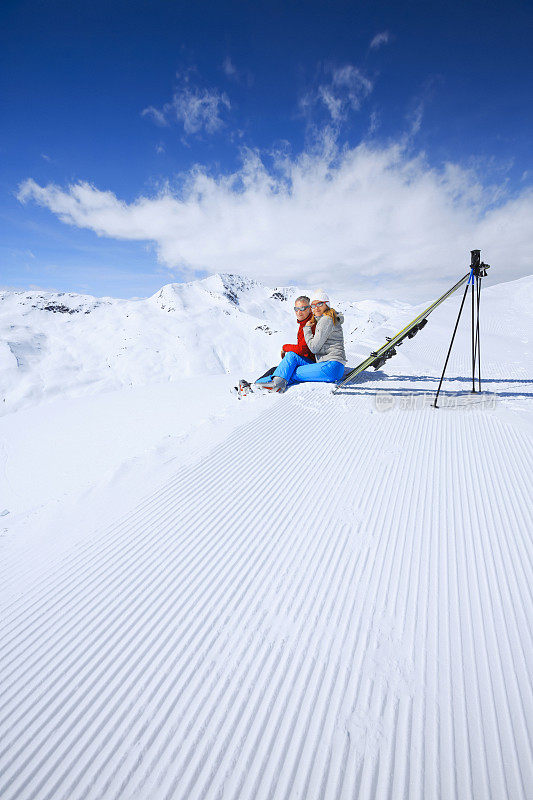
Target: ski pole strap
[(471, 278)]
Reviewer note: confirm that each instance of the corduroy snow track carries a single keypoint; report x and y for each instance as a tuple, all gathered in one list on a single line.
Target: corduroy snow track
[(332, 602)]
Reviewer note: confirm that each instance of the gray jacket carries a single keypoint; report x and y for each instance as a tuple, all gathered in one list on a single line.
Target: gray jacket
[(328, 342)]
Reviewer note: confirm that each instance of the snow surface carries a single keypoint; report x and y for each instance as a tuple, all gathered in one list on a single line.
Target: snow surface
[(299, 595)]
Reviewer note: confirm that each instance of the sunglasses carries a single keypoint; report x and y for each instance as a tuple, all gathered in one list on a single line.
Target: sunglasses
[(301, 308), (315, 305)]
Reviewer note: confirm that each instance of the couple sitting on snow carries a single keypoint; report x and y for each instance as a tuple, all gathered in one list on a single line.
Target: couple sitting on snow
[(319, 353)]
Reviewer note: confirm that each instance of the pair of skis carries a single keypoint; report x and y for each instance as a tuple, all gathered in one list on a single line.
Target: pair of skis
[(379, 357)]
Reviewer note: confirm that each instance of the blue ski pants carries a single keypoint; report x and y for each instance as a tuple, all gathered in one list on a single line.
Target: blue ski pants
[(296, 369)]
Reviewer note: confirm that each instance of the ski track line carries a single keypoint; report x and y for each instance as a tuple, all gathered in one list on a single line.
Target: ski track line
[(448, 783), (219, 643), (417, 578), (509, 699), (480, 777)]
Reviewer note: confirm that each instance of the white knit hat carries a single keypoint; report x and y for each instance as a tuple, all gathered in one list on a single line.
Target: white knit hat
[(320, 295)]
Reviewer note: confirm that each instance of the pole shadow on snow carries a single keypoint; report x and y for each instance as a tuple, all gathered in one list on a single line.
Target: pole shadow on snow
[(351, 389), (458, 378)]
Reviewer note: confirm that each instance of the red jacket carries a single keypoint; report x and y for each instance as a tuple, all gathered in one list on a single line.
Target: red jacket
[(301, 348)]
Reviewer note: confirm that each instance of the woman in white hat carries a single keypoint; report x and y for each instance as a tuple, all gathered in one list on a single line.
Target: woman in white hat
[(327, 344)]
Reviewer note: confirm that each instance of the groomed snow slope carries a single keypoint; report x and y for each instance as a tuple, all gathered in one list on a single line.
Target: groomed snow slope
[(332, 602)]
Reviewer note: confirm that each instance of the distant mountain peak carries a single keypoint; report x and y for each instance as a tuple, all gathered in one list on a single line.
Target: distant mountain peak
[(55, 302)]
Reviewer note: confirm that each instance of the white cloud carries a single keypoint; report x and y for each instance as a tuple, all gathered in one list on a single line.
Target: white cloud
[(229, 68), (159, 117), (334, 104), (344, 91), (238, 75), (200, 108), (353, 82), (197, 109), (370, 220), (374, 123), (379, 39), (415, 118)]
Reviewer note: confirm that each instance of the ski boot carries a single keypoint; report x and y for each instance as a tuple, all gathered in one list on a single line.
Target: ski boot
[(277, 384), (243, 388)]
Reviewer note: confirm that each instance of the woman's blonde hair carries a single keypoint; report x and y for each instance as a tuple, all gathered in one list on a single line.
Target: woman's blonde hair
[(333, 314)]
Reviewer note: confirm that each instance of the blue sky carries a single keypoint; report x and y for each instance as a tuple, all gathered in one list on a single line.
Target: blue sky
[(296, 142)]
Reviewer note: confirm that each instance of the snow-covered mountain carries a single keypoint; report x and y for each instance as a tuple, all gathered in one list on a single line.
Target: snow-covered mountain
[(69, 344)]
